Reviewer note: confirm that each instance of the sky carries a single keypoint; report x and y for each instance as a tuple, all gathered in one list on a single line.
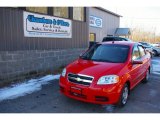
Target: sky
[(146, 18)]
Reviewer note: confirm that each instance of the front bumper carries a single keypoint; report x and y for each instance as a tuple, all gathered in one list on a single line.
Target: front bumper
[(98, 94)]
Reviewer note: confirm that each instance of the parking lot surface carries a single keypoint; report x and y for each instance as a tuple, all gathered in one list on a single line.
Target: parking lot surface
[(144, 98)]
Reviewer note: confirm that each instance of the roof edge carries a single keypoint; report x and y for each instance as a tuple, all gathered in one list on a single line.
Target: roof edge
[(100, 8)]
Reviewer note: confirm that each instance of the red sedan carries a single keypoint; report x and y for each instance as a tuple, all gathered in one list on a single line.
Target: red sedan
[(106, 73)]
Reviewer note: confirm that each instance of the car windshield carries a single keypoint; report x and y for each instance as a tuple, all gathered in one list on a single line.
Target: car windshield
[(111, 53)]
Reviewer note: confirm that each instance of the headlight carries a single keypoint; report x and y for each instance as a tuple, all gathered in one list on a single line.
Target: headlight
[(64, 72), (109, 79)]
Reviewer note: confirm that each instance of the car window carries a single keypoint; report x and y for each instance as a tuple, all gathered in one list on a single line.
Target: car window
[(105, 39), (111, 39), (107, 53), (142, 51), (124, 39), (118, 39), (108, 39), (127, 39), (135, 53)]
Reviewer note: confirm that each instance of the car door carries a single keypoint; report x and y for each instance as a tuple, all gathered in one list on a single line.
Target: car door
[(135, 69), (145, 64)]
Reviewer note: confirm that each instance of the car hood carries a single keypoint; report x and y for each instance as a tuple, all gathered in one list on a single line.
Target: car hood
[(92, 68)]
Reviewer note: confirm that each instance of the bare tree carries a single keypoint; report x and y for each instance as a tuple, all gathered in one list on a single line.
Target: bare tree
[(139, 34)]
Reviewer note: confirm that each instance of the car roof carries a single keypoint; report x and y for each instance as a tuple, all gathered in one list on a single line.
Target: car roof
[(119, 43)]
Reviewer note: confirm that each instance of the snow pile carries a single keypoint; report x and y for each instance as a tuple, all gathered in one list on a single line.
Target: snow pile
[(28, 87)]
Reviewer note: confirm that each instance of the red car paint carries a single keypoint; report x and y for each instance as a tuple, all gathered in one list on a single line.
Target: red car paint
[(95, 93)]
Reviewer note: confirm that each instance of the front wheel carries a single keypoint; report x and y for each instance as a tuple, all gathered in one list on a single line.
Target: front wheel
[(124, 96), (145, 80), (155, 53)]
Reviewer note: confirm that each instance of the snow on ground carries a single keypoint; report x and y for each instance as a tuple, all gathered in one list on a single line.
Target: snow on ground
[(155, 67), (17, 90)]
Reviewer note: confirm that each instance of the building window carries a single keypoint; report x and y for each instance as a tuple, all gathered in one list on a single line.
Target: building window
[(37, 9), (61, 12), (78, 13)]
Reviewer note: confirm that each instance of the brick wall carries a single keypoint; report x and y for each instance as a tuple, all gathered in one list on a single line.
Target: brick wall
[(15, 65)]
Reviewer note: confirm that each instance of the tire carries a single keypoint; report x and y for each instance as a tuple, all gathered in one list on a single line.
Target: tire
[(145, 80), (155, 53), (124, 96), (151, 55)]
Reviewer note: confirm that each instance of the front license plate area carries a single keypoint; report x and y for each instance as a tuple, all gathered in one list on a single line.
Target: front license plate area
[(76, 90)]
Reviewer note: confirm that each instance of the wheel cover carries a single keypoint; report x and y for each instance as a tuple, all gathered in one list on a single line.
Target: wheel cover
[(147, 75), (125, 95), (155, 52)]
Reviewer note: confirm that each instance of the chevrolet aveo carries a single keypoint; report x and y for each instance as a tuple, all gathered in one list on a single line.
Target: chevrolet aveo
[(106, 73)]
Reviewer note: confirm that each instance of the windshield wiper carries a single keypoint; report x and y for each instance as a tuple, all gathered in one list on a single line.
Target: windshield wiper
[(102, 60)]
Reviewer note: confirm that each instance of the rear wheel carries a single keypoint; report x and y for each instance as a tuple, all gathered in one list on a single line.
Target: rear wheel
[(124, 96), (145, 80)]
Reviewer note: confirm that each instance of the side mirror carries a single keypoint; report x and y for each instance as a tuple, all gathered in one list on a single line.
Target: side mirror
[(137, 62)]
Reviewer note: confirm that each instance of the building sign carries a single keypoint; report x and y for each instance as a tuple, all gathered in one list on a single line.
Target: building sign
[(36, 25), (95, 21)]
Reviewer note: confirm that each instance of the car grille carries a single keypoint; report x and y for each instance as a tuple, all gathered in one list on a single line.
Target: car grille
[(80, 79)]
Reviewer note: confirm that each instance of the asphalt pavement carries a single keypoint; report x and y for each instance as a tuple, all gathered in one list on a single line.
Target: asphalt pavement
[(144, 98)]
